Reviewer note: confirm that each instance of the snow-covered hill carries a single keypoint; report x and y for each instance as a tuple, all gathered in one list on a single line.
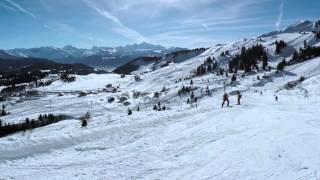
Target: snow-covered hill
[(299, 27), (150, 63), (259, 139)]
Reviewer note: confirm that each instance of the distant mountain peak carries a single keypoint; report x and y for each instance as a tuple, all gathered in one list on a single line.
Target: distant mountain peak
[(143, 45), (110, 57), (304, 25), (301, 26), (5, 55), (67, 47)]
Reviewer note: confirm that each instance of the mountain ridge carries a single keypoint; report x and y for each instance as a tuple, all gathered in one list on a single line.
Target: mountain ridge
[(102, 57)]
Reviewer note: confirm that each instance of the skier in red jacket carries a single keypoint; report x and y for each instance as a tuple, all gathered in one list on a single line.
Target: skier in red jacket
[(225, 99)]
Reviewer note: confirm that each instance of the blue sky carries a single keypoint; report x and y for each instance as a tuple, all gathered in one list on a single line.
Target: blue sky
[(183, 23)]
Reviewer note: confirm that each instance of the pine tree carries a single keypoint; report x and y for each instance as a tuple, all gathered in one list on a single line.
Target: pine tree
[(3, 112), (209, 60), (281, 65), (27, 121), (264, 60), (318, 35), (295, 56), (221, 72), (279, 46), (248, 58), (51, 117), (209, 69)]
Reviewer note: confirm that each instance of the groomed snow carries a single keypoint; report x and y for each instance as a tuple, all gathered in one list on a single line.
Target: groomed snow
[(87, 83)]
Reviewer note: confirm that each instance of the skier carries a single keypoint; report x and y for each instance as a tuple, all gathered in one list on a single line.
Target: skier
[(276, 98), (225, 99), (192, 96), (239, 96), (196, 101)]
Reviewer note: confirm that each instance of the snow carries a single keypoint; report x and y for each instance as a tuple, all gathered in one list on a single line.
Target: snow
[(308, 68), (107, 58), (260, 139), (87, 83), (2, 87), (182, 143), (204, 143)]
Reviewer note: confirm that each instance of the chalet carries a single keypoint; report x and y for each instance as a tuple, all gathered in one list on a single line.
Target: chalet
[(110, 88)]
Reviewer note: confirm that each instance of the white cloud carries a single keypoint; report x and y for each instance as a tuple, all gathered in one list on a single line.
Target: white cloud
[(45, 5), (205, 26), (191, 41), (8, 7), (21, 9), (279, 21), (49, 28), (173, 21), (119, 27)]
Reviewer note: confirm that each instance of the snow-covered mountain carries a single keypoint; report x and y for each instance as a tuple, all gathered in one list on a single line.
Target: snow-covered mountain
[(5, 55), (151, 63), (262, 138), (299, 27), (102, 57), (303, 26), (41, 52)]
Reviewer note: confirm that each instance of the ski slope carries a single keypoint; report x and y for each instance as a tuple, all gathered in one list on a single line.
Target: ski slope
[(259, 139)]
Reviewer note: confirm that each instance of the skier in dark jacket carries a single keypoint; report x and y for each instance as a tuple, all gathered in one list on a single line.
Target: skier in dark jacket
[(239, 96), (225, 99)]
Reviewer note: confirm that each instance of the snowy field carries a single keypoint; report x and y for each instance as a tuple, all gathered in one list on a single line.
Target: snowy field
[(259, 139)]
